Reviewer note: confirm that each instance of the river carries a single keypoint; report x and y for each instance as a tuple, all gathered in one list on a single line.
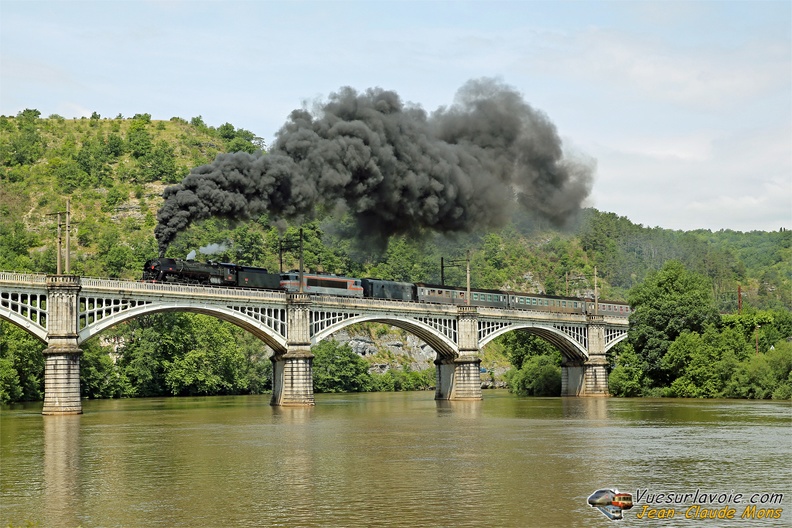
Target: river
[(393, 460)]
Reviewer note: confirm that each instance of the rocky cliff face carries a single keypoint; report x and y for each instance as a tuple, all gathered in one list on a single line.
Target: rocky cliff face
[(387, 349)]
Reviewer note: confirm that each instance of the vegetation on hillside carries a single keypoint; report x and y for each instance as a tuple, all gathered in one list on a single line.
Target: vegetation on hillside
[(113, 172), (680, 346)]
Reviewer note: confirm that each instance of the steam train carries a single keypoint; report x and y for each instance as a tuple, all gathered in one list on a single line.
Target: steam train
[(168, 270)]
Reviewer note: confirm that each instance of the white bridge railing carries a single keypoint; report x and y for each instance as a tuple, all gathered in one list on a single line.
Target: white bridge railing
[(30, 278), (119, 285)]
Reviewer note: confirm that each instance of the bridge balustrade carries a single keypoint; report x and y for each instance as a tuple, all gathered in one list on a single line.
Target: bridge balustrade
[(64, 310)]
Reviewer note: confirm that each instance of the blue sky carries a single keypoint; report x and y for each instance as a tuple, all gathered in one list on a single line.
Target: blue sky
[(686, 107)]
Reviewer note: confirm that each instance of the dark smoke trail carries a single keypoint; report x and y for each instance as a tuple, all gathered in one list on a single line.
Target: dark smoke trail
[(396, 169)]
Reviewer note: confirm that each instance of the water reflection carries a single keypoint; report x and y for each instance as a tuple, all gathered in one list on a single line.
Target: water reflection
[(61, 469), (291, 415), (399, 460), (585, 408), (462, 409)]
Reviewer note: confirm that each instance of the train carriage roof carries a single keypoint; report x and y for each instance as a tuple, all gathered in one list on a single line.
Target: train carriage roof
[(399, 283), (456, 288)]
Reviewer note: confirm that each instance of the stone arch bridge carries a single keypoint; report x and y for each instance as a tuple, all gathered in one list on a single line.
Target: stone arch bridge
[(65, 310)]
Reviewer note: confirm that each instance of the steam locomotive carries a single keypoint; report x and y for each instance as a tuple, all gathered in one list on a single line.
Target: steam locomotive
[(168, 270)]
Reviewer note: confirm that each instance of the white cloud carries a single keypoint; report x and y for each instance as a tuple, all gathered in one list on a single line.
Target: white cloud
[(686, 106), (694, 148), (708, 77)]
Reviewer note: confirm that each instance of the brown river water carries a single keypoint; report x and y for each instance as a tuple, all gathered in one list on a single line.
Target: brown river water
[(395, 460)]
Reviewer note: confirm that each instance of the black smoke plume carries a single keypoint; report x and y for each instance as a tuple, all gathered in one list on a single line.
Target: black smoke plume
[(393, 167)]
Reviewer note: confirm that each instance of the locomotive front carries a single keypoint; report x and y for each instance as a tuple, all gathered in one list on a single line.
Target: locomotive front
[(152, 271)]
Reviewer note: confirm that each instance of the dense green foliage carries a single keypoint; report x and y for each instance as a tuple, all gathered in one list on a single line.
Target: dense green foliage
[(539, 376), (669, 302), (174, 354), (21, 365), (757, 263), (403, 380), (680, 346), (536, 365), (114, 171), (336, 368)]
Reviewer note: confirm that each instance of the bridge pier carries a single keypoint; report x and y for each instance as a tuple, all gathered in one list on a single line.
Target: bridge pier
[(589, 378), (459, 378), (584, 379), (572, 376), (292, 379), (292, 372), (64, 310), (62, 356)]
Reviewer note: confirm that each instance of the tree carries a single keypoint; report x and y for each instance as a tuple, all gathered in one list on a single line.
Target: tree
[(521, 346), (10, 388), (15, 242), (68, 174), (158, 163), (139, 139), (210, 366), (226, 131), (93, 159), (404, 260), (198, 123), (257, 368), (669, 302), (761, 327), (26, 145), (21, 365), (539, 376), (180, 354), (336, 368), (117, 259), (403, 380), (148, 344), (764, 375), (627, 378), (115, 145), (241, 145), (99, 377), (251, 138), (701, 365), (249, 245)]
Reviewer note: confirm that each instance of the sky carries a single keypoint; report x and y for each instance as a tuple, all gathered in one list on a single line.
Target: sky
[(684, 107)]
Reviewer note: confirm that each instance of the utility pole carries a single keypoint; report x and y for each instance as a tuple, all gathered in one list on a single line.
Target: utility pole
[(467, 298), (301, 260), (68, 236), (59, 256), (596, 293), (58, 269), (456, 264), (739, 299), (282, 246)]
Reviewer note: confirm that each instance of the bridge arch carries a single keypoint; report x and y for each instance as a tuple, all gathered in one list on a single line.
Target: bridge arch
[(445, 347), (265, 333), (571, 349), (34, 329), (616, 340)]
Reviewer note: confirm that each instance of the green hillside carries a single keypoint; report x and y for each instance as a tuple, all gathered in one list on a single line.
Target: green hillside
[(113, 172)]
